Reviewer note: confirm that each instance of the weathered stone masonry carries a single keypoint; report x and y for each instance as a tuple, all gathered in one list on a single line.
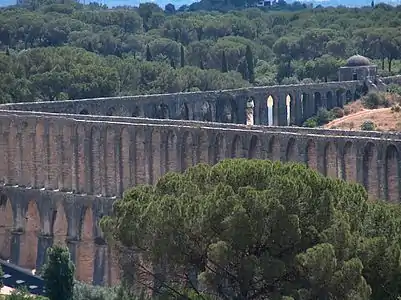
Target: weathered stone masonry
[(63, 163), (291, 104), (62, 172)]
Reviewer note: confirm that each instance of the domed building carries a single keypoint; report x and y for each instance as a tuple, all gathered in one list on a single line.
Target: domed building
[(358, 67)]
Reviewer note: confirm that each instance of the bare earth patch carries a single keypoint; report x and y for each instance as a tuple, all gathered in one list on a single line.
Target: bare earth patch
[(353, 107), (384, 118), (356, 114)]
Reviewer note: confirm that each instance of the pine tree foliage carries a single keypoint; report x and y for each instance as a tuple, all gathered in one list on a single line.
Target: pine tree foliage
[(254, 229)]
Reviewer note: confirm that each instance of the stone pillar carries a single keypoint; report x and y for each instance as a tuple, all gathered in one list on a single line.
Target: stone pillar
[(359, 165), (110, 162), (16, 236), (4, 149), (296, 110), (323, 100), (312, 105), (306, 106), (281, 119), (72, 244), (112, 268), (18, 164), (321, 157), (102, 156), (262, 113), (256, 112), (101, 251), (75, 160), (59, 149), (381, 179), (331, 102), (118, 160), (88, 188), (46, 154), (213, 110), (148, 157), (11, 154), (341, 101), (45, 241), (34, 180)]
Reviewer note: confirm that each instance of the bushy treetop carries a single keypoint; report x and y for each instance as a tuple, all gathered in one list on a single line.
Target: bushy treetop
[(254, 229)]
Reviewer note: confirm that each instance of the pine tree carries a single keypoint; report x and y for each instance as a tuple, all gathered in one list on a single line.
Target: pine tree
[(58, 274), (182, 56), (148, 54), (224, 65), (250, 66)]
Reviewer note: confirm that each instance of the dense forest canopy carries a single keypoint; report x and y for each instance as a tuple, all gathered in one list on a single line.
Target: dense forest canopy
[(55, 50)]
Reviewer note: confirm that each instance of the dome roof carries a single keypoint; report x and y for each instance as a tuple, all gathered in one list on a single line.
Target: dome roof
[(358, 61)]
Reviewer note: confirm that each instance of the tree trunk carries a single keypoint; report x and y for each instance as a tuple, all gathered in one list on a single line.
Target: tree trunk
[(389, 62)]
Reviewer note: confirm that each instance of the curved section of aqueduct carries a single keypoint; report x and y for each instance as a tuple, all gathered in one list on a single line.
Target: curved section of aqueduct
[(65, 162)]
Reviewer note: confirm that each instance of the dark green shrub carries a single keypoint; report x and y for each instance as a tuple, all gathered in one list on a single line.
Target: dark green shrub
[(368, 125), (324, 116), (394, 88), (83, 291), (311, 123), (396, 108), (337, 112), (374, 100)]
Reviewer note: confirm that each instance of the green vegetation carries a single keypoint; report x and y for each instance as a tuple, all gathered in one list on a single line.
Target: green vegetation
[(58, 274), (394, 88), (368, 125), (246, 229), (254, 229), (243, 229), (55, 50), (374, 100), (323, 117)]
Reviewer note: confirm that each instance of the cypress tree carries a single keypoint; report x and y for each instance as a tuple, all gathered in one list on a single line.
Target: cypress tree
[(148, 54), (182, 56), (250, 66), (201, 66), (58, 274), (224, 66), (172, 63)]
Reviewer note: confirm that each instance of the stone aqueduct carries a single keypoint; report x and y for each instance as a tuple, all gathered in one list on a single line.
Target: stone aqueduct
[(64, 163)]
